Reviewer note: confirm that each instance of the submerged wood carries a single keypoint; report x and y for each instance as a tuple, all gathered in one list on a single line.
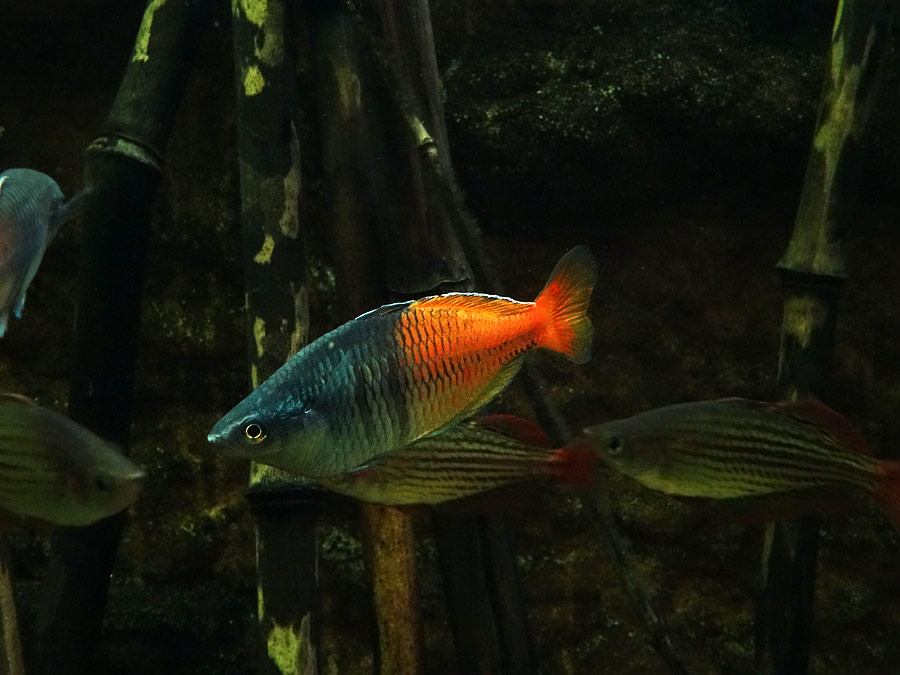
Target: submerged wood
[(285, 507), (122, 171), (438, 166), (488, 616), (352, 133), (812, 271), (11, 662)]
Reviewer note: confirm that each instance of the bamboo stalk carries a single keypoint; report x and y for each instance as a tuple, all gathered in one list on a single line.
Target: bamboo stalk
[(488, 615), (11, 662), (352, 133), (285, 507), (438, 168), (123, 168), (812, 273)]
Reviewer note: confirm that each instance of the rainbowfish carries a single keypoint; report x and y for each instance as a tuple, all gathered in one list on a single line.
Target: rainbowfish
[(404, 371), (29, 208), (733, 448), (54, 470), (475, 457)]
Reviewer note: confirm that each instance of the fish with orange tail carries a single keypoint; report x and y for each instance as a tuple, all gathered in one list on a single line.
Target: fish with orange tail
[(798, 454), (404, 371), (472, 459)]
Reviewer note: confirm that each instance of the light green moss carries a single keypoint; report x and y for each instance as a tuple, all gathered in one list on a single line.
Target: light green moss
[(264, 256), (289, 649), (259, 334), (142, 43), (269, 20), (254, 82)]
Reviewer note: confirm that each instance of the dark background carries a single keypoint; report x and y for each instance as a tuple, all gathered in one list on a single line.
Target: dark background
[(671, 137)]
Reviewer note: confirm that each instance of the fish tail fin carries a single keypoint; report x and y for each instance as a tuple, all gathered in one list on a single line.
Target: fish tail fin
[(887, 490), (562, 306), (577, 465)]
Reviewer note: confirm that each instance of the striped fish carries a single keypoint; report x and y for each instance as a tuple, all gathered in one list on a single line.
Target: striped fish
[(29, 206), (732, 449), (55, 471), (473, 458), (402, 372)]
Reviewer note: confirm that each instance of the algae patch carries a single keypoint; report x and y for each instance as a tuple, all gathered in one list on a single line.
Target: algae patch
[(142, 43)]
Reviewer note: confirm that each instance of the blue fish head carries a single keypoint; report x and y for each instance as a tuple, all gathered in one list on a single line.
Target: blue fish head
[(262, 433)]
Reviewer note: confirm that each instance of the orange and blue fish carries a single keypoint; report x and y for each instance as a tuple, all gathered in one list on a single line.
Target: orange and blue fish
[(476, 458), (404, 371)]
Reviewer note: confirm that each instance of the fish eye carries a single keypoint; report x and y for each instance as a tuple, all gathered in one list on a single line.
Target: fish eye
[(614, 444), (103, 483), (254, 432)]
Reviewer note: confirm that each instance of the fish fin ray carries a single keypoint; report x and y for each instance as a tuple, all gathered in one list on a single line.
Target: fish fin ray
[(832, 422), (516, 428), (563, 304), (386, 310), (497, 304), (816, 413), (578, 465), (10, 397)]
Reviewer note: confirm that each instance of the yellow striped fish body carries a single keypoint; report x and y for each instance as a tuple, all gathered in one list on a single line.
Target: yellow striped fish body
[(473, 458), (737, 448), (56, 471), (402, 372)]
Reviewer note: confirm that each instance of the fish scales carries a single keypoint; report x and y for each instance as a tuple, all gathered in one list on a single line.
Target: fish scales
[(733, 448), (472, 458), (404, 371)]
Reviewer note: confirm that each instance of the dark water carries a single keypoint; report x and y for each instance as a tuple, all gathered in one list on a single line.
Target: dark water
[(670, 137)]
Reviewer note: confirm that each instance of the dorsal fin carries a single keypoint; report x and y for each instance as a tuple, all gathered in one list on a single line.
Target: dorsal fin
[(493, 303), (833, 423), (386, 310), (8, 397), (516, 428)]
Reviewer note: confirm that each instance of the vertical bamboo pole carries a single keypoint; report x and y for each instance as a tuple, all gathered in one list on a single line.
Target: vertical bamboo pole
[(11, 662), (285, 507), (352, 134), (812, 272), (123, 168), (463, 557), (476, 553)]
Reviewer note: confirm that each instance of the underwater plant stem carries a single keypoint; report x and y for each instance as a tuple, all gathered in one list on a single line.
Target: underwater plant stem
[(285, 506), (123, 169), (352, 131), (812, 272), (11, 662)]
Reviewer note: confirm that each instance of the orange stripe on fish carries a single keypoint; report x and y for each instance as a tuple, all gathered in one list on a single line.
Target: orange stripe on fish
[(404, 371)]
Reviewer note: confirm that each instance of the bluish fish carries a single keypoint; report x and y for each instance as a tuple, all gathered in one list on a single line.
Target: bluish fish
[(404, 371), (30, 202)]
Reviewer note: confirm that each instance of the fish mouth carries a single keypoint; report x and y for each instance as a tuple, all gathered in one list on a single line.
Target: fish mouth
[(228, 448), (131, 487)]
